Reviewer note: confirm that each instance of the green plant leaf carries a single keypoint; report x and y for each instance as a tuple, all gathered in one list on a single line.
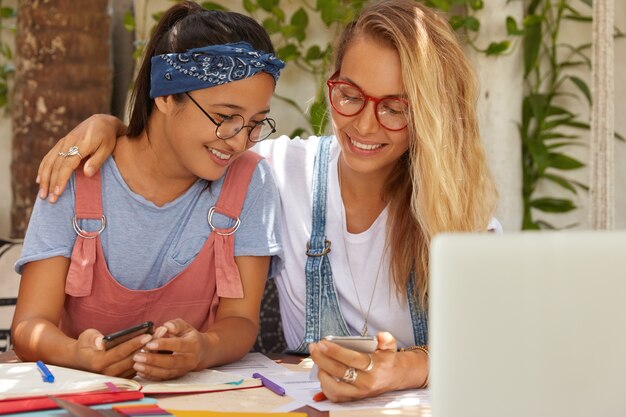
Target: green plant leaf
[(511, 27), (545, 225), (319, 116), (7, 12), (563, 182), (564, 162), (297, 133), (209, 5), (582, 86), (476, 4), (578, 125), (314, 53), (129, 22), (268, 5), (552, 123), (271, 25), (471, 23), (557, 110), (300, 18), (288, 52), (558, 145), (443, 5), (532, 7), (532, 42), (619, 136), (250, 6), (157, 16), (571, 64), (330, 11), (553, 205), (496, 48), (580, 185)]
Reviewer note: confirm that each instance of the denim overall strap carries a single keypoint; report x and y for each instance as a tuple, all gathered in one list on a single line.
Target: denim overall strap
[(418, 316), (323, 315)]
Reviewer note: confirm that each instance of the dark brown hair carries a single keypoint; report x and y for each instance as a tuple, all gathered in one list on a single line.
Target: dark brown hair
[(184, 26)]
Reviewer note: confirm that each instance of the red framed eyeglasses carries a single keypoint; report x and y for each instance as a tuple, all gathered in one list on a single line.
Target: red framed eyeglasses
[(349, 100)]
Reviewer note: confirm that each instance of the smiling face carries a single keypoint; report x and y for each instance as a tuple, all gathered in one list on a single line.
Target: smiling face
[(191, 135), (367, 147)]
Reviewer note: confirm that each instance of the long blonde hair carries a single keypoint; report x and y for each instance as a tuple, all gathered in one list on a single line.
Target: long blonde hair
[(442, 183)]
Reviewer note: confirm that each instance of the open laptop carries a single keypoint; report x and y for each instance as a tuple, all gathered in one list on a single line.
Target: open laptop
[(528, 324)]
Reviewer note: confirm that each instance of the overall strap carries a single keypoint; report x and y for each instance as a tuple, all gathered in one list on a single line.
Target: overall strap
[(322, 315), (235, 187), (419, 317), (87, 205), (229, 203)]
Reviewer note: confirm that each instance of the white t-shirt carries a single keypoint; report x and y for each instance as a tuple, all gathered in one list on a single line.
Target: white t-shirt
[(292, 163)]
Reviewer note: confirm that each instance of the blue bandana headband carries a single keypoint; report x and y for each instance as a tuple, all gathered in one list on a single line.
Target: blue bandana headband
[(209, 66)]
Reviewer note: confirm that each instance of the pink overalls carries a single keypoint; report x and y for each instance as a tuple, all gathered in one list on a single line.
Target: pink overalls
[(94, 299)]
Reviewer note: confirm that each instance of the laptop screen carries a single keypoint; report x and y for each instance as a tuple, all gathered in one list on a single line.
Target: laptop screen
[(528, 324)]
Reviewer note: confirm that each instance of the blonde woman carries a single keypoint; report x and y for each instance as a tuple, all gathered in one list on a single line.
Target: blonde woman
[(361, 207)]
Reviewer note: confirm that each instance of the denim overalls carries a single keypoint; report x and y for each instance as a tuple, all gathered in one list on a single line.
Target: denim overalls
[(323, 315)]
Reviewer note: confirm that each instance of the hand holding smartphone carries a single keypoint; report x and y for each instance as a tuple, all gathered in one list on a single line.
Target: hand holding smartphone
[(364, 344), (114, 339)]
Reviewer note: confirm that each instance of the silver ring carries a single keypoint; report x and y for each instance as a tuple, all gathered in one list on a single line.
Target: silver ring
[(350, 376), (73, 150), (371, 364)]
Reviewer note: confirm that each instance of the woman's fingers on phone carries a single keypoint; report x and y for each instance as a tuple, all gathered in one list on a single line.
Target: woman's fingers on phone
[(158, 366), (122, 368), (386, 341), (128, 348), (331, 353), (160, 332)]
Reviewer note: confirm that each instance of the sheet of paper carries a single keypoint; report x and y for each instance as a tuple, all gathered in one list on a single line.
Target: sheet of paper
[(251, 363), (390, 400), (205, 380), (248, 400), (23, 379), (423, 411)]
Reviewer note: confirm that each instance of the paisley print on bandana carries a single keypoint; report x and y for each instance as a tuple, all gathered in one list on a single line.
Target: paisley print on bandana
[(209, 66)]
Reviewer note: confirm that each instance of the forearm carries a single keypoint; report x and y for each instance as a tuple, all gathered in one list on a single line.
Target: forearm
[(38, 339), (228, 340)]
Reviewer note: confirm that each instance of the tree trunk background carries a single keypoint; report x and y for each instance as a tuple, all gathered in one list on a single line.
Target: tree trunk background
[(63, 75)]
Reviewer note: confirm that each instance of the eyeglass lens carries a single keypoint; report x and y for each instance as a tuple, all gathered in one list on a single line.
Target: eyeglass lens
[(233, 124), (349, 100)]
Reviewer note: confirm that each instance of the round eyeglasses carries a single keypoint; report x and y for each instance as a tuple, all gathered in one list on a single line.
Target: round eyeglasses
[(349, 100), (231, 125)]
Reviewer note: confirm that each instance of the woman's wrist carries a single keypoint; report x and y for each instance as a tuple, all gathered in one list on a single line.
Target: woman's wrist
[(208, 347), (412, 358)]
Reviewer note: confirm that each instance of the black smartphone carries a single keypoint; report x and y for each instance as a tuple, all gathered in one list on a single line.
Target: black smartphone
[(114, 339)]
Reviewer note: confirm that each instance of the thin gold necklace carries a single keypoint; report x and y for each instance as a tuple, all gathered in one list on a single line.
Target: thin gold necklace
[(344, 221)]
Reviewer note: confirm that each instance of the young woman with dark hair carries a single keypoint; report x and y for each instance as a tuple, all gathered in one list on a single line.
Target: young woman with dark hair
[(180, 224)]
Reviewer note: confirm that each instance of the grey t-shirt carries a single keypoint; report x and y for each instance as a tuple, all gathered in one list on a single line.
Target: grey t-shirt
[(145, 246)]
